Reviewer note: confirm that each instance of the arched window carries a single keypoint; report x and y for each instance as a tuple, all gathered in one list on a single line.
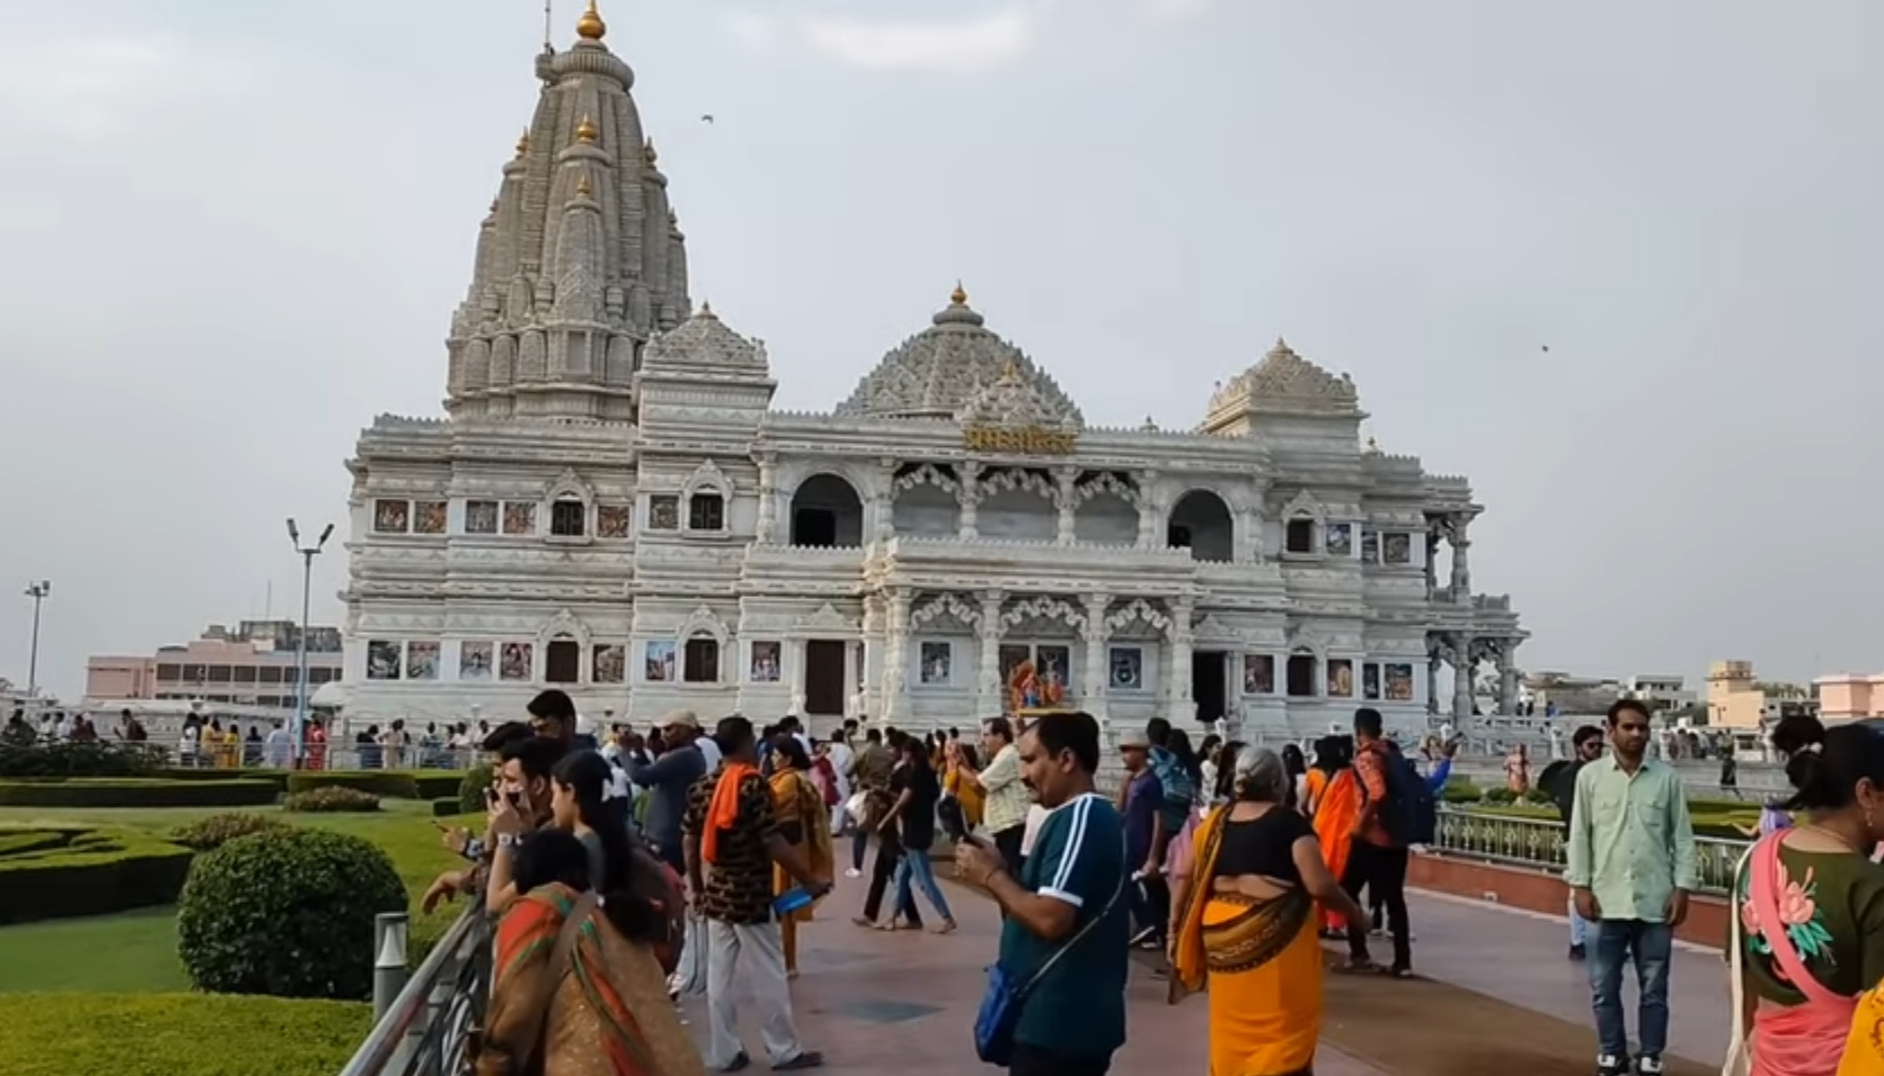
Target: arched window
[(1201, 523), (827, 513)]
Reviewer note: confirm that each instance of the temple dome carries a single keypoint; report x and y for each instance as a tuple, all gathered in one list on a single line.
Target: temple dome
[(705, 346), (1284, 380), (581, 260), (938, 372), (1013, 401)]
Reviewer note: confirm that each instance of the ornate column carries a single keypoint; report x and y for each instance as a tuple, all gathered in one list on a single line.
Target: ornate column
[(795, 653), (873, 654), (1461, 569), (1181, 709), (1462, 679), (1430, 568), (1437, 650), (1065, 478), (1148, 513), (988, 669), (853, 660), (883, 501), (896, 659), (970, 498), (768, 498), (1249, 541), (1097, 635), (1507, 678)]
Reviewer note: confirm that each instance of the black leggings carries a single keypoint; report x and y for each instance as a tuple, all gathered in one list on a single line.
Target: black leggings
[(882, 870)]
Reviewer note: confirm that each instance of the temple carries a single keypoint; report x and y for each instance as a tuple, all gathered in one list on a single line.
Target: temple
[(612, 505)]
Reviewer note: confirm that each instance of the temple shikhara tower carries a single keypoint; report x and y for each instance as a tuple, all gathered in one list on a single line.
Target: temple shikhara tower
[(611, 505)]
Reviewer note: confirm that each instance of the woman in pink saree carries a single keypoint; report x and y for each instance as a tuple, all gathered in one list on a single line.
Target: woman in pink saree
[(1810, 937)]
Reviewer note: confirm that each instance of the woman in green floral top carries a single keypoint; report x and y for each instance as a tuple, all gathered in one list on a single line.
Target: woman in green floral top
[(1811, 902)]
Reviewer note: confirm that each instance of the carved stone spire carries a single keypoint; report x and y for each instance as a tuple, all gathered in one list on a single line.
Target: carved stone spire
[(582, 259)]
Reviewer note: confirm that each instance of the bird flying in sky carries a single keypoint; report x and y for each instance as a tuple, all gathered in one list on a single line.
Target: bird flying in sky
[(706, 117)]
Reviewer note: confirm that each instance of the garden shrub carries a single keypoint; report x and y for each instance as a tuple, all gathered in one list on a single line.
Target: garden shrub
[(446, 808), (386, 784), (471, 789), (1460, 789), (1502, 796), (330, 798), (287, 912), (279, 778), (194, 1034), (80, 872), (209, 834), (134, 792), (1538, 797), (69, 758)]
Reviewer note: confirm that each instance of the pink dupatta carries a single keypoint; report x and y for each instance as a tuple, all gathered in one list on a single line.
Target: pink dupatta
[(1802, 1040)]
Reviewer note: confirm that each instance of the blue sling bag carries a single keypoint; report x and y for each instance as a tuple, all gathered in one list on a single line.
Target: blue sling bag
[(1001, 1006)]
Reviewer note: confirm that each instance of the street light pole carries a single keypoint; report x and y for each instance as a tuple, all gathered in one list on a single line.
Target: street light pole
[(298, 735), (38, 590)]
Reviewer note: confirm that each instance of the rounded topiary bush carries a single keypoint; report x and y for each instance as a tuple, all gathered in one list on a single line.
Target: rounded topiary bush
[(471, 790), (331, 798), (287, 912), (208, 834)]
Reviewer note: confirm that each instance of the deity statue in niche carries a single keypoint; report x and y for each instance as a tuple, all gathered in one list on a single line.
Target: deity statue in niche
[(1028, 690)]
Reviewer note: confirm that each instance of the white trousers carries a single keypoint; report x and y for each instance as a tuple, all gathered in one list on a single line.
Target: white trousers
[(759, 950)]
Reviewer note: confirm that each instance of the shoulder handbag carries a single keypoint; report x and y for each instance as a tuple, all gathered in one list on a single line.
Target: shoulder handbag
[(1001, 1006)]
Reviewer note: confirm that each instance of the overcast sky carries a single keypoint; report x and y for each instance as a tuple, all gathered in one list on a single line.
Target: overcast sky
[(231, 233)]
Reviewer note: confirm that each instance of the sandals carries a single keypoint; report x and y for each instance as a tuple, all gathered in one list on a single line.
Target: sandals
[(808, 1059), (947, 926)]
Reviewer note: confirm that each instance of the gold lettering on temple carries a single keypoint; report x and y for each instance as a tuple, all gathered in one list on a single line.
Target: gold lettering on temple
[(1022, 441)]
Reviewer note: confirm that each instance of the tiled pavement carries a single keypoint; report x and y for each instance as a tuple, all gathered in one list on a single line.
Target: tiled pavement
[(904, 1002)]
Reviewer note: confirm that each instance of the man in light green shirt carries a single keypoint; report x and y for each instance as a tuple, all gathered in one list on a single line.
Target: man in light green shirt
[(1630, 872)]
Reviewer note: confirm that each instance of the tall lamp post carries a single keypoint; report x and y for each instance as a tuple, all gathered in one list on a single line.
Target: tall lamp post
[(298, 735), (38, 590)]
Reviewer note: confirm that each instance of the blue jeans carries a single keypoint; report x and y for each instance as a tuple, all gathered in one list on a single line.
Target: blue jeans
[(1612, 943), (916, 866), (1579, 926)]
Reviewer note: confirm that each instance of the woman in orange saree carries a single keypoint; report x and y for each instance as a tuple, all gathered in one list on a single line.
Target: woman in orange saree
[(805, 823), (1336, 808), (572, 993), (1244, 926)]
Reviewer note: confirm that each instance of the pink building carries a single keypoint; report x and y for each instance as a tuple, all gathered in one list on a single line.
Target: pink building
[(254, 665), (1850, 696)]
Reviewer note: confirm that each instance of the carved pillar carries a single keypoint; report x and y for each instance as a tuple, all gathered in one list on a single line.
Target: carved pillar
[(1249, 536), (988, 672), (1180, 707), (1148, 514), (1462, 679), (795, 653), (1097, 635), (1507, 679), (1428, 564), (1461, 569), (873, 654), (853, 662), (883, 501), (970, 497), (896, 659), (1437, 651), (768, 498), (1066, 477)]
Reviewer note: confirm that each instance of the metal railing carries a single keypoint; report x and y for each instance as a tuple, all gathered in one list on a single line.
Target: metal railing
[(1541, 842), (424, 1023)]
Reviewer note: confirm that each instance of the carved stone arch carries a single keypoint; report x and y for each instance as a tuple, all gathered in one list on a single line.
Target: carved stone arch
[(564, 623), (1018, 478), (1308, 641), (793, 476), (707, 478), (927, 474), (1042, 608), (1305, 505), (827, 620), (1138, 610), (569, 486), (946, 605), (1211, 630), (1108, 484), (703, 622)]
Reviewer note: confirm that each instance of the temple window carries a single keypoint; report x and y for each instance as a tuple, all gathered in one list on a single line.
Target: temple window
[(568, 518), (562, 661), (827, 513), (702, 662), (1201, 523), (706, 512), (1302, 676), (1299, 537)]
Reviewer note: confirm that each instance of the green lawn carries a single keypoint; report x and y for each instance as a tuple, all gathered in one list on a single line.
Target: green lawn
[(135, 952), (173, 1034)]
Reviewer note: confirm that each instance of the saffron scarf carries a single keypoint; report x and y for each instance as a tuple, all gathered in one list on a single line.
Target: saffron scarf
[(723, 808)]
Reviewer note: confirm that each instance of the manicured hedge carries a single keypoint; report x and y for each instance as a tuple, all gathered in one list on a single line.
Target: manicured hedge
[(134, 792), (90, 872), (446, 808), (279, 778), (387, 784), (330, 799), (167, 1034), (67, 758)]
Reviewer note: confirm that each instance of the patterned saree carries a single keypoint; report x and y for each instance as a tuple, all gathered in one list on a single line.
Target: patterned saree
[(1262, 964), (606, 1014)]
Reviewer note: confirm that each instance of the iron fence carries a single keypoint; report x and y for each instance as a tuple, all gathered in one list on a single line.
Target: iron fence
[(1542, 842), (425, 1027)]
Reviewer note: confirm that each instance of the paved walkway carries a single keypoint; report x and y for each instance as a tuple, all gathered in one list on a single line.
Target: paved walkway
[(1495, 991)]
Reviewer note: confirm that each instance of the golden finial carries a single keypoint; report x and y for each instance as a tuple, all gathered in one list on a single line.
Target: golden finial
[(493, 207), (958, 297), (649, 149), (706, 309), (585, 131), (1012, 371), (582, 186), (523, 143), (590, 26)]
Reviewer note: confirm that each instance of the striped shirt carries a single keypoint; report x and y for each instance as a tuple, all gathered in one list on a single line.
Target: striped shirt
[(1007, 802)]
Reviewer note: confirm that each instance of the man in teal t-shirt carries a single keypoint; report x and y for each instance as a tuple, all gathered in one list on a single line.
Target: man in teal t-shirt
[(1069, 899)]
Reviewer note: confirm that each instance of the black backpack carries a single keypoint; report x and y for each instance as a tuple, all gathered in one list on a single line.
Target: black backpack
[(1411, 812)]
